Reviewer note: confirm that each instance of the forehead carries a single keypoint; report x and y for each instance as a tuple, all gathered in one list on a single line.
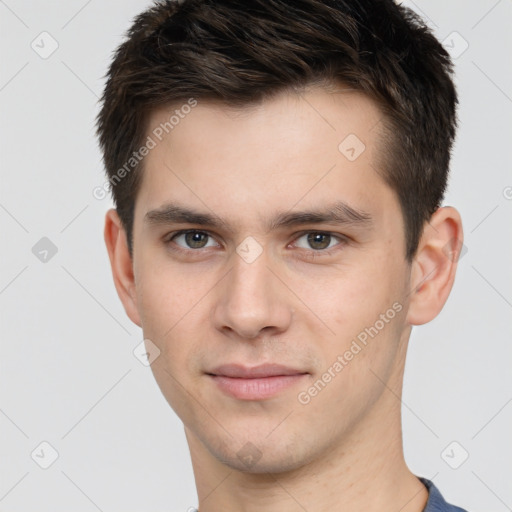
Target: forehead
[(315, 147)]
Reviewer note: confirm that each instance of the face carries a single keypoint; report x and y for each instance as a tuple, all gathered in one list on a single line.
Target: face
[(227, 271)]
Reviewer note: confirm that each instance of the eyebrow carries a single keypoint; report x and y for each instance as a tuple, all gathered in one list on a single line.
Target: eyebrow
[(337, 213)]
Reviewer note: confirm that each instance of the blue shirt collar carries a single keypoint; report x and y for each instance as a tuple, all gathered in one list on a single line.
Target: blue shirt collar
[(436, 502)]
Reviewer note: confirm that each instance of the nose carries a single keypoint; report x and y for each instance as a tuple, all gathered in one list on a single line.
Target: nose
[(252, 299)]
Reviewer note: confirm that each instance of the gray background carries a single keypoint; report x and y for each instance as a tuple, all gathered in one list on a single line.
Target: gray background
[(68, 375)]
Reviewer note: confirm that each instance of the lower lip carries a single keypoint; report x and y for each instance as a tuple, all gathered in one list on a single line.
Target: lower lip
[(256, 389)]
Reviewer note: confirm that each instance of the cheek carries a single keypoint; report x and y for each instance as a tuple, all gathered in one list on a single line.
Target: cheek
[(364, 312), (364, 349), (171, 310), (170, 306), (348, 300), (166, 294)]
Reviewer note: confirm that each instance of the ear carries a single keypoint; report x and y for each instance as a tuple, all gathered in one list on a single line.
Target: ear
[(434, 266), (121, 263)]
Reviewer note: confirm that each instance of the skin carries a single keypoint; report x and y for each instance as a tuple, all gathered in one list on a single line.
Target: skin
[(207, 306)]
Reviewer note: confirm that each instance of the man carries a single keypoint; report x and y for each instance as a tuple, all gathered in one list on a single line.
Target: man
[(278, 169)]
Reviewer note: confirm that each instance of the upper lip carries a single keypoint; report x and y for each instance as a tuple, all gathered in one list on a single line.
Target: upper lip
[(244, 372)]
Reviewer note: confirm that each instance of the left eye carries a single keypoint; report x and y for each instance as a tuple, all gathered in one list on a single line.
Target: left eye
[(317, 241)]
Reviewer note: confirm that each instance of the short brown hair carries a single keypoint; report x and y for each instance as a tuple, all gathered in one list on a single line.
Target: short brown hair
[(240, 53)]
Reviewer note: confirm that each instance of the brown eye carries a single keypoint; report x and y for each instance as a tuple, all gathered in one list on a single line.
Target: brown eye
[(192, 239), (317, 241)]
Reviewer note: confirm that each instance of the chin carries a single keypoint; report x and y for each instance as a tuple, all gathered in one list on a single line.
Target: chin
[(264, 465), (264, 456)]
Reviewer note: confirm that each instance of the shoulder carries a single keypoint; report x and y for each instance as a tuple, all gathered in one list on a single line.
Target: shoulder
[(436, 502)]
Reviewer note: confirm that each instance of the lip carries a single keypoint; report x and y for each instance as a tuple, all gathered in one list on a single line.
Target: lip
[(263, 370), (256, 383)]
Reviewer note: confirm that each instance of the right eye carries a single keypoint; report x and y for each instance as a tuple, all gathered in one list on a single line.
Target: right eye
[(191, 239)]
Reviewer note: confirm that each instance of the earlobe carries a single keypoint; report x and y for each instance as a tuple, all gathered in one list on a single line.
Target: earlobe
[(121, 264), (434, 266)]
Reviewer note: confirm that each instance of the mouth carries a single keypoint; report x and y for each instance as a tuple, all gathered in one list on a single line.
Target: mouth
[(256, 383)]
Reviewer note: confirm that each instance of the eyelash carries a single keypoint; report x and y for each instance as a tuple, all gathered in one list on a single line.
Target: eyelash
[(310, 253)]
